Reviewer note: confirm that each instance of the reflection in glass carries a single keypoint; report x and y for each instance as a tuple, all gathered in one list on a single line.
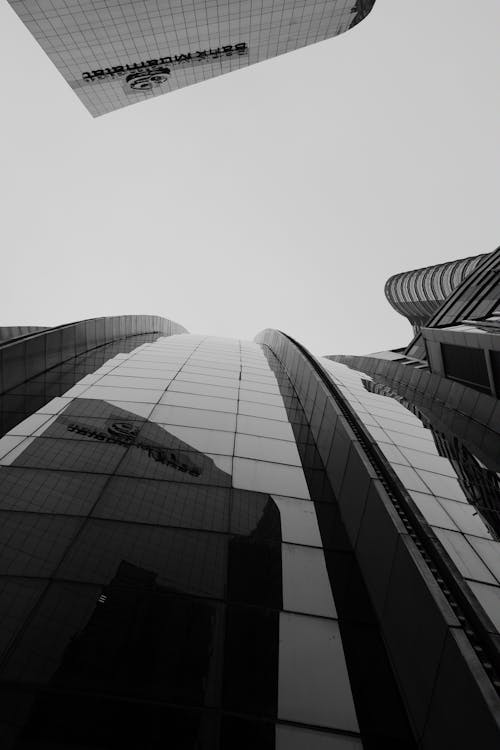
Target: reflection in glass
[(178, 550), (451, 472)]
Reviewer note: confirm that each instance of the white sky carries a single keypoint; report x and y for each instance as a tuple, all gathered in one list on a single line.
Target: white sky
[(280, 196)]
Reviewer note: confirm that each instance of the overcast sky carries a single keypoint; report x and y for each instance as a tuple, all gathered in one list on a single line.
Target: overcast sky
[(279, 196)]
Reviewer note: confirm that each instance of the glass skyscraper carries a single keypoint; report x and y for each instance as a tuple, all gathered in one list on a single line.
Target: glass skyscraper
[(116, 54), (211, 543)]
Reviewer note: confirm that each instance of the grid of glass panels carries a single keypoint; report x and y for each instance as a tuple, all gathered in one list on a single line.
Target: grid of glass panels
[(455, 492), (43, 368), (161, 549), (194, 40)]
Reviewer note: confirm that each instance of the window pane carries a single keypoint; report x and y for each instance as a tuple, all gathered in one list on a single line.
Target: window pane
[(314, 685)]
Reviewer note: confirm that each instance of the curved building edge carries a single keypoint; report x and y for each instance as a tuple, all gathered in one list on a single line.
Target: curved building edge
[(32, 354), (8, 333), (374, 505), (363, 8)]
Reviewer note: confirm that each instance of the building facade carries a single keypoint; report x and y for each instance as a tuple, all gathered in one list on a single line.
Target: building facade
[(432, 413), (418, 294), (15, 332), (178, 538), (113, 55), (210, 543), (469, 318)]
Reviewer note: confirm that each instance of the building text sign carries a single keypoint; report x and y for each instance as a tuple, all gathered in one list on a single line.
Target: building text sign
[(149, 73), (126, 433)]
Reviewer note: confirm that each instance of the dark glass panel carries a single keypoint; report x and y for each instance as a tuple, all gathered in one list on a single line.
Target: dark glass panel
[(244, 734), (41, 491), (32, 544), (165, 503), (495, 365), (255, 569), (188, 561), (467, 365), (251, 661), (17, 599), (73, 721), (132, 638)]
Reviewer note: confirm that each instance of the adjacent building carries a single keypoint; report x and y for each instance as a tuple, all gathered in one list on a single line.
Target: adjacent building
[(117, 54), (420, 293), (210, 543), (431, 413)]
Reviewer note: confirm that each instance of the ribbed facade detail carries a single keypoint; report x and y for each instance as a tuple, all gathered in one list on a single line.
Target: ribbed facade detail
[(7, 333), (418, 294)]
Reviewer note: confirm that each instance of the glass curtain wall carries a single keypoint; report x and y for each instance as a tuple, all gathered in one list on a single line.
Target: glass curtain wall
[(455, 492), (174, 573)]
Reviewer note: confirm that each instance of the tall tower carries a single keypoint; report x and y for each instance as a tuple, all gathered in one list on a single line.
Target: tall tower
[(211, 543)]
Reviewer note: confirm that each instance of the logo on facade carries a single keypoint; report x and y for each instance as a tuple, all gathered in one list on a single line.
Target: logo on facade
[(123, 431), (144, 75), (126, 433), (148, 78)]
